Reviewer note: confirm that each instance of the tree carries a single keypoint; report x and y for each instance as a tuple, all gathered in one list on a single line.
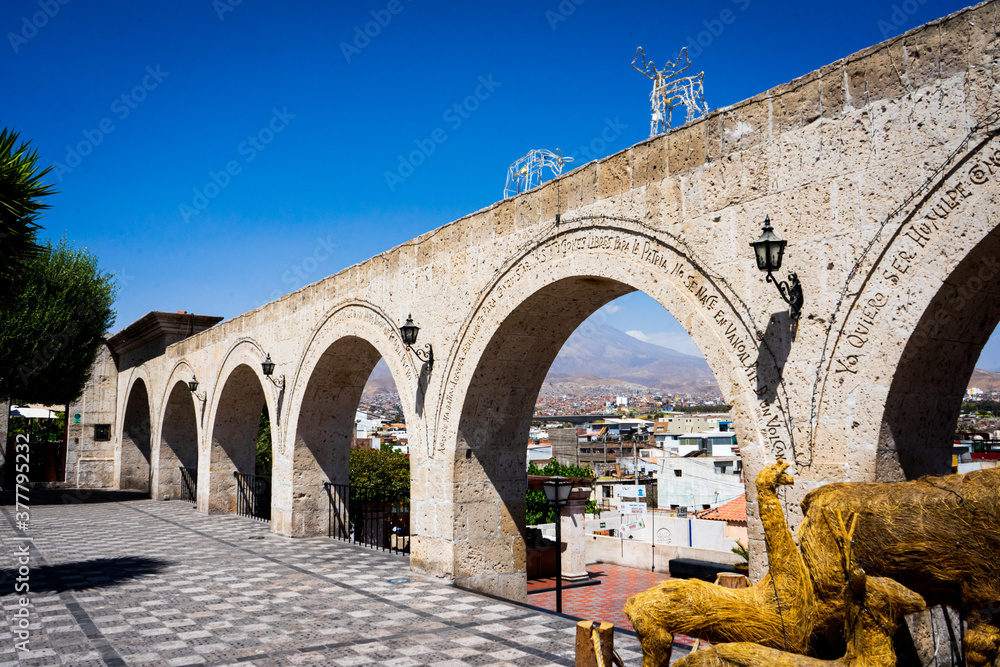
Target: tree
[(21, 194), (61, 307), (379, 469), (262, 463), (537, 510)]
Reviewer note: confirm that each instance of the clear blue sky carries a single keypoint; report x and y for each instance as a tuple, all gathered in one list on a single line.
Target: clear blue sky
[(140, 103)]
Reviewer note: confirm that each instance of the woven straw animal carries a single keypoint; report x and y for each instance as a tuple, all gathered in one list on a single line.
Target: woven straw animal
[(937, 536), (874, 607)]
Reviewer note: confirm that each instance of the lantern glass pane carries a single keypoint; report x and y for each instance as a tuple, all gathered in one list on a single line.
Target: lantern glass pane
[(760, 251), (777, 250), (550, 491), (565, 487)]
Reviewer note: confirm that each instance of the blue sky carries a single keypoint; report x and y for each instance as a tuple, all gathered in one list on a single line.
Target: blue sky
[(218, 154)]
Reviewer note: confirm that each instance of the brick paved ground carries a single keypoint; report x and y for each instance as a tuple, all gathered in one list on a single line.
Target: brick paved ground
[(137, 582), (605, 602)]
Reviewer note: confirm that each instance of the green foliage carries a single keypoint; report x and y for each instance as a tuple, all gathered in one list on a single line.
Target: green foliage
[(743, 552), (262, 465), (381, 469), (39, 430), (61, 308), (556, 469), (538, 510), (21, 194), (710, 409), (991, 406), (986, 409)]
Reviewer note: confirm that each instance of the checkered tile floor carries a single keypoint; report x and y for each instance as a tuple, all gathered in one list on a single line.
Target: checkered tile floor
[(138, 582)]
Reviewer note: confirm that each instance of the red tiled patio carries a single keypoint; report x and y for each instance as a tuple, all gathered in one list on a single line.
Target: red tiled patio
[(603, 602)]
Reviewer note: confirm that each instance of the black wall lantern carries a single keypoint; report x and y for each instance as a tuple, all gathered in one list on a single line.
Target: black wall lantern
[(193, 386), (768, 250), (267, 366), (408, 332)]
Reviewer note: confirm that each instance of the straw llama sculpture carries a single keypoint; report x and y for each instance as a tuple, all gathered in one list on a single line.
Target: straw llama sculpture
[(936, 536), (873, 609)]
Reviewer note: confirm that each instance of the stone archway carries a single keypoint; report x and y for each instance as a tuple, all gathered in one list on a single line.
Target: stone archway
[(911, 321), (177, 463), (925, 397), (341, 356), (232, 446), (135, 452), (531, 308)]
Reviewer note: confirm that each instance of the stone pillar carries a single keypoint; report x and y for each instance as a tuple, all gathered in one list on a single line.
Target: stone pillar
[(574, 536)]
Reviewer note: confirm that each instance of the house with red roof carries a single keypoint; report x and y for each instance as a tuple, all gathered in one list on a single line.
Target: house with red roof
[(734, 513)]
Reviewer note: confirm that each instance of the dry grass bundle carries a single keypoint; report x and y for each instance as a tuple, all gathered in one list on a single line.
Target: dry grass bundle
[(937, 536), (873, 607)]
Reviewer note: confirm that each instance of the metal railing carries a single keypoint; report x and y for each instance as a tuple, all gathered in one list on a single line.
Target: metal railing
[(189, 483), (375, 517), (253, 496)]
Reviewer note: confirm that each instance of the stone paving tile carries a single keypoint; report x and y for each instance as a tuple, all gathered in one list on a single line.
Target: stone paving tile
[(138, 582)]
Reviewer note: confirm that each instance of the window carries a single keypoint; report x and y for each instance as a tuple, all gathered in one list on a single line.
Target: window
[(677, 473), (102, 432)]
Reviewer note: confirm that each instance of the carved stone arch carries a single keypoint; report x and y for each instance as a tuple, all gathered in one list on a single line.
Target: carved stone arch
[(521, 320), (912, 319), (245, 351), (238, 389), (324, 394), (133, 454), (178, 441)]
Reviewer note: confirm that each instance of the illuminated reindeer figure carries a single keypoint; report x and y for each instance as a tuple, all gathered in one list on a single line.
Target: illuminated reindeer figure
[(670, 92), (873, 608)]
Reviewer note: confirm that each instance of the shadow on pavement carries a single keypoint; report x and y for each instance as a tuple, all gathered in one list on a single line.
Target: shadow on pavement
[(37, 497), (81, 575)]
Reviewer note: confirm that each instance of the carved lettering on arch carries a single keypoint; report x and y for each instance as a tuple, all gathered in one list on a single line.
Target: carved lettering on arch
[(883, 287), (604, 245), (388, 330)]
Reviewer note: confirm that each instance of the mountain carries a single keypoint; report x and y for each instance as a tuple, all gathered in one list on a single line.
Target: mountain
[(601, 360), (985, 380), (598, 351)]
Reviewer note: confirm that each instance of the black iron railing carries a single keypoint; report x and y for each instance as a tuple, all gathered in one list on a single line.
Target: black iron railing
[(375, 517), (189, 483), (253, 496)]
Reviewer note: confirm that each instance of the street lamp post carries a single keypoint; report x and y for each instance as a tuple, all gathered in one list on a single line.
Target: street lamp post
[(557, 492)]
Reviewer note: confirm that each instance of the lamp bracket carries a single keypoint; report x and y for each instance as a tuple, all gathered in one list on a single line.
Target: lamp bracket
[(426, 355), (279, 383), (200, 395), (791, 292)]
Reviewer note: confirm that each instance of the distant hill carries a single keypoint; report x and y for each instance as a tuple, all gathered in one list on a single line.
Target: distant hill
[(985, 380), (598, 359), (599, 351), (379, 382)]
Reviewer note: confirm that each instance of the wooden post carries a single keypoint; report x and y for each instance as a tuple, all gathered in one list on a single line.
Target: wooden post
[(585, 653), (731, 580)]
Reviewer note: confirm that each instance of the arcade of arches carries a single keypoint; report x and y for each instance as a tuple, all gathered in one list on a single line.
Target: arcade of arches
[(881, 172)]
